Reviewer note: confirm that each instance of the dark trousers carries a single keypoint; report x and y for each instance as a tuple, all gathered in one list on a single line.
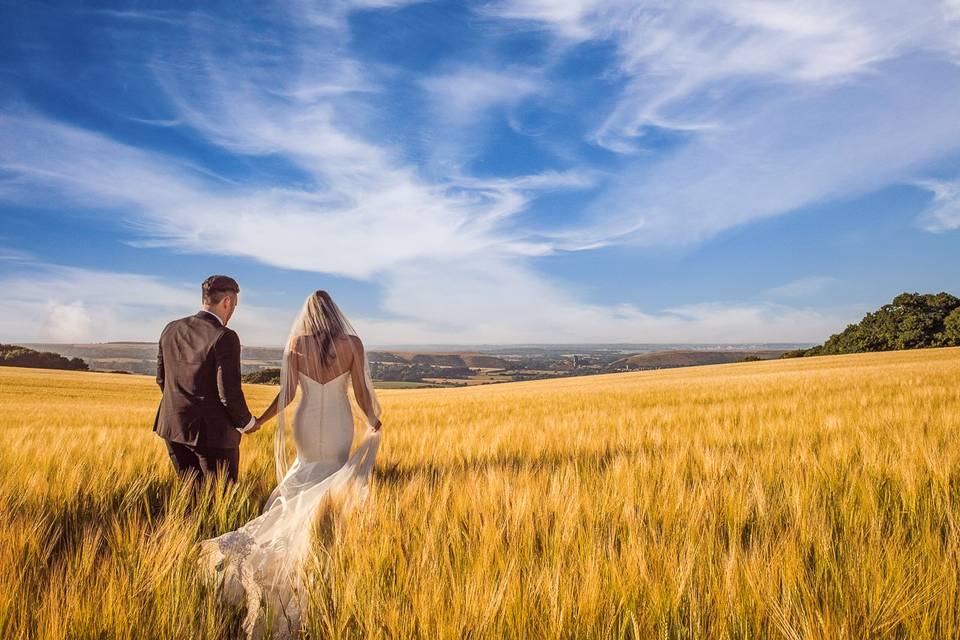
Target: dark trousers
[(204, 462)]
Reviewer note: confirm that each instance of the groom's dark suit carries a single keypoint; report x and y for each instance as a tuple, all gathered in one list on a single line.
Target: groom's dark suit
[(198, 370)]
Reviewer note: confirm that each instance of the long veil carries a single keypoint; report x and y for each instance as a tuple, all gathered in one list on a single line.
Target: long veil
[(320, 335), (262, 563)]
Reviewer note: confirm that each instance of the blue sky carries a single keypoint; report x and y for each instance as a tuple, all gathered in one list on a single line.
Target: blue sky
[(513, 171)]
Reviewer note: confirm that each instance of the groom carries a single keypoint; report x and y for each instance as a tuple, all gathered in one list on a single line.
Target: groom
[(202, 411)]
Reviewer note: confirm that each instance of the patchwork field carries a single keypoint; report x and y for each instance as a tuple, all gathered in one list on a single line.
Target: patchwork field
[(805, 498)]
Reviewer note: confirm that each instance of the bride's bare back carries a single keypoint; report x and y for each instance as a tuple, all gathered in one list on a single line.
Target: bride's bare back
[(321, 362), (325, 359)]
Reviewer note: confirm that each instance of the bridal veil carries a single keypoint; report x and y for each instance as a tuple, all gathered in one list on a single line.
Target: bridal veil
[(262, 563)]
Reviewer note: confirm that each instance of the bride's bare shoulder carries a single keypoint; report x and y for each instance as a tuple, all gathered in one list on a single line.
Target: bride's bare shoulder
[(343, 344), (352, 346), (301, 344)]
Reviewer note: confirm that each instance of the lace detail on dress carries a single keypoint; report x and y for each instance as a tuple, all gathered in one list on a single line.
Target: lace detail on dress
[(228, 556), (261, 564)]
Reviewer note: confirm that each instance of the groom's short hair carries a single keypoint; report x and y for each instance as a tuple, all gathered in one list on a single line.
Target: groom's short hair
[(216, 288)]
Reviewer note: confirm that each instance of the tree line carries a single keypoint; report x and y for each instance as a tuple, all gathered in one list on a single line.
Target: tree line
[(12, 355), (910, 321)]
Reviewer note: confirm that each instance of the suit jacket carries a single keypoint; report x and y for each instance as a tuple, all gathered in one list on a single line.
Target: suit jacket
[(198, 370)]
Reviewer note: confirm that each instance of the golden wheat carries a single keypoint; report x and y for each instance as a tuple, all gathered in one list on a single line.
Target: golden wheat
[(813, 498)]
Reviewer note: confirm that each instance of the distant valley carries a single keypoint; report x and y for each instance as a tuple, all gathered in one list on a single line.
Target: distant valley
[(457, 365)]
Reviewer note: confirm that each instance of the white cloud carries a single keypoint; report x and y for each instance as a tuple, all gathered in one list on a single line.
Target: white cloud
[(463, 302), (952, 9), (67, 322), (767, 322), (53, 302), (783, 104), (362, 213), (791, 150), (358, 226), (943, 213), (463, 100), (674, 54), (13, 254), (800, 288), (462, 95), (495, 301), (860, 101), (49, 302), (444, 291), (570, 18)]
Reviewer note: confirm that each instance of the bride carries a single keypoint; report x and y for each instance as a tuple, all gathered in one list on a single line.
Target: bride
[(262, 562)]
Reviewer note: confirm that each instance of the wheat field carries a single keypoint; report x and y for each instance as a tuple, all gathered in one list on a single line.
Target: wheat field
[(811, 498)]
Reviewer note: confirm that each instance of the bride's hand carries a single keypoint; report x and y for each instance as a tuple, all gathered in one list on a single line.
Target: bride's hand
[(260, 422), (376, 427)]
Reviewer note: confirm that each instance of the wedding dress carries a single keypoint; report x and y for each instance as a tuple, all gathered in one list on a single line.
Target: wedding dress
[(262, 563)]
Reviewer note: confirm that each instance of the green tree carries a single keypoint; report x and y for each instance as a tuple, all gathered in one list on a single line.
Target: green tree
[(910, 321), (951, 329), (12, 355)]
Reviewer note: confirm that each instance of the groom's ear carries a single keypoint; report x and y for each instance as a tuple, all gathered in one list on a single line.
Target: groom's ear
[(235, 302)]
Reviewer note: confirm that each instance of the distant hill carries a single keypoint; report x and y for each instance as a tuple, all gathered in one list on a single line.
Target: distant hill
[(484, 361), (384, 356), (692, 358), (141, 357), (441, 359), (430, 365), (910, 321), (12, 355)]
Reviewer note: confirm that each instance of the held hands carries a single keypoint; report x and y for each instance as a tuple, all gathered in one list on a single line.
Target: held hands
[(258, 422)]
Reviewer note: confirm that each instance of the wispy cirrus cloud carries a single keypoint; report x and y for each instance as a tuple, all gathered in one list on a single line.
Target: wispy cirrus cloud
[(359, 209), (454, 294), (801, 287), (773, 106), (943, 213), (463, 100), (781, 105), (14, 255), (682, 61), (462, 95), (356, 217)]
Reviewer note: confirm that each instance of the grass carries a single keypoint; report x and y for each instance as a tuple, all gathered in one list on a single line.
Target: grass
[(808, 498)]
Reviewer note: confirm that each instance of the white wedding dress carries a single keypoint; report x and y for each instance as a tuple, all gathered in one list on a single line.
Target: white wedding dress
[(262, 562)]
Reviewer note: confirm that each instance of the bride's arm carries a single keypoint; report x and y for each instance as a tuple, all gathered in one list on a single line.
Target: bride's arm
[(271, 411), (291, 386), (360, 390)]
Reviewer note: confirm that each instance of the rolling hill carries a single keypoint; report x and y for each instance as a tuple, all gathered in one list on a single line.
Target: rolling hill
[(690, 358)]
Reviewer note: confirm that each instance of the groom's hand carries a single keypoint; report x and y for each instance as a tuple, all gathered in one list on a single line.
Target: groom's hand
[(256, 427)]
